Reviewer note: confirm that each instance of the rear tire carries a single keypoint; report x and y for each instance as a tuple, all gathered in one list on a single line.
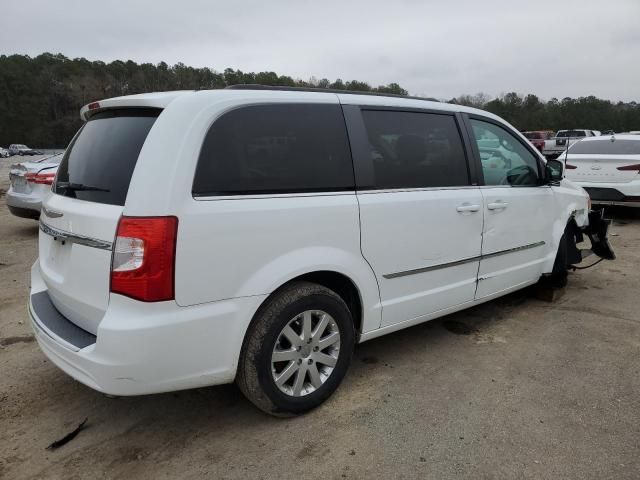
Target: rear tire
[(311, 329)]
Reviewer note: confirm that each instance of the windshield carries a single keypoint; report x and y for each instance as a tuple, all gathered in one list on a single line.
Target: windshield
[(98, 164)]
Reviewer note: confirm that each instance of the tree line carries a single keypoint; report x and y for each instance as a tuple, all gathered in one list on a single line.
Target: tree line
[(528, 112), (40, 97)]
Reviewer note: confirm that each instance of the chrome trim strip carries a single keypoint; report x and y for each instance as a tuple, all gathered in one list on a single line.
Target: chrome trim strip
[(364, 191), (513, 250), (75, 238), (463, 261), (433, 267)]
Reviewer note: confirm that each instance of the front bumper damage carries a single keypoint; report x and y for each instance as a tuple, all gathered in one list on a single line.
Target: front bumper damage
[(597, 232)]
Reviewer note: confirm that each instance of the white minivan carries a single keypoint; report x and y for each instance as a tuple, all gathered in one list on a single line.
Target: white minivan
[(256, 234)]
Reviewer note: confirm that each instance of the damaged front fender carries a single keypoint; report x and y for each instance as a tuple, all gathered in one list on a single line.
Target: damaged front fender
[(597, 231)]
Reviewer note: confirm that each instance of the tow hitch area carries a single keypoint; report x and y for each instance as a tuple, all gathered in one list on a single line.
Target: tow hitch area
[(597, 232)]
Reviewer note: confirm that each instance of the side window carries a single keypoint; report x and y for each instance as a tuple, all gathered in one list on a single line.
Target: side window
[(505, 161), (284, 148), (415, 150)]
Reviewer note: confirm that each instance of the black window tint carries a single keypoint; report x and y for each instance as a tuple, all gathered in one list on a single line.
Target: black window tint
[(103, 154), (415, 150), (505, 161), (607, 147), (571, 134), (275, 148)]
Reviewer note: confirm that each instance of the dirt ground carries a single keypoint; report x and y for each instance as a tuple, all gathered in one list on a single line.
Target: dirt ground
[(516, 388)]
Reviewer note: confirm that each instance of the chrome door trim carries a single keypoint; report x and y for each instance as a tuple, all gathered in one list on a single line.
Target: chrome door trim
[(513, 250), (75, 238), (455, 263), (431, 268)]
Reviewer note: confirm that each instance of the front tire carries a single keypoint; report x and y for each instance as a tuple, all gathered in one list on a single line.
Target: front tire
[(297, 349)]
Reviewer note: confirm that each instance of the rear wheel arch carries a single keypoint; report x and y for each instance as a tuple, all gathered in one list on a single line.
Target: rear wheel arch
[(338, 282)]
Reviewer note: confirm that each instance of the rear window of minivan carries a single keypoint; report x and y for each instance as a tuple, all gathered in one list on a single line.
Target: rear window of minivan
[(275, 148), (98, 164)]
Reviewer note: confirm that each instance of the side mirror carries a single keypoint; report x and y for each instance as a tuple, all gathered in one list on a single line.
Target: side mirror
[(555, 171)]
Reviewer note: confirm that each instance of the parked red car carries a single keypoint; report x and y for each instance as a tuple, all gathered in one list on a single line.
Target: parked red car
[(537, 137)]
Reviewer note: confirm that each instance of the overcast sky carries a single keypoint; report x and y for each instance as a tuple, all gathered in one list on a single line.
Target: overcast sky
[(438, 48)]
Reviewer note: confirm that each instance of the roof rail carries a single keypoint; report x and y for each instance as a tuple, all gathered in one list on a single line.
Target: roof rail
[(257, 86)]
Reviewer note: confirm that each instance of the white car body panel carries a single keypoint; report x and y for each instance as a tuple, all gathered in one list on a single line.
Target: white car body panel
[(403, 222), (232, 252), (282, 238), (77, 276), (515, 218)]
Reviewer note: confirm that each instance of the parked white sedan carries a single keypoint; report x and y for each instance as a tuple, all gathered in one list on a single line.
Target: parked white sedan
[(608, 168), (30, 182)]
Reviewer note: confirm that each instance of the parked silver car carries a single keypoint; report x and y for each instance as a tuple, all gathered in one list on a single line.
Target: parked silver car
[(20, 149), (4, 153), (30, 182)]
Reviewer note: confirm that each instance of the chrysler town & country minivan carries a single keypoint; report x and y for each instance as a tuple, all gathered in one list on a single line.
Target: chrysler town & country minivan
[(257, 234)]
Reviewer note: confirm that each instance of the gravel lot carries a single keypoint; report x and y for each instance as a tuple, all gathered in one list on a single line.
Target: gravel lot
[(516, 388)]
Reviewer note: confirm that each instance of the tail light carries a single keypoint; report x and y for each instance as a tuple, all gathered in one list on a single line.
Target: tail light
[(635, 167), (143, 261), (40, 178), (568, 166)]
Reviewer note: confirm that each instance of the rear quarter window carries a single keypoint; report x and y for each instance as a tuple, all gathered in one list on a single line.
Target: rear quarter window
[(98, 164), (283, 148)]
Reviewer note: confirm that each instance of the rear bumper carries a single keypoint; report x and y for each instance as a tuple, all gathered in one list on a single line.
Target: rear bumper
[(26, 206), (24, 212), (627, 194), (142, 348)]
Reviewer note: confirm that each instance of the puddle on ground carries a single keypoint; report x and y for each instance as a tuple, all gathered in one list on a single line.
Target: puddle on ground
[(11, 340), (370, 360), (459, 328)]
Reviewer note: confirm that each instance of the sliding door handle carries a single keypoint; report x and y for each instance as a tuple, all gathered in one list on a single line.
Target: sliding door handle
[(468, 208), (497, 205)]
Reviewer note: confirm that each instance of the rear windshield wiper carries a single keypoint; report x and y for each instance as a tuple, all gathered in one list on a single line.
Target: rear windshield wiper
[(76, 187)]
